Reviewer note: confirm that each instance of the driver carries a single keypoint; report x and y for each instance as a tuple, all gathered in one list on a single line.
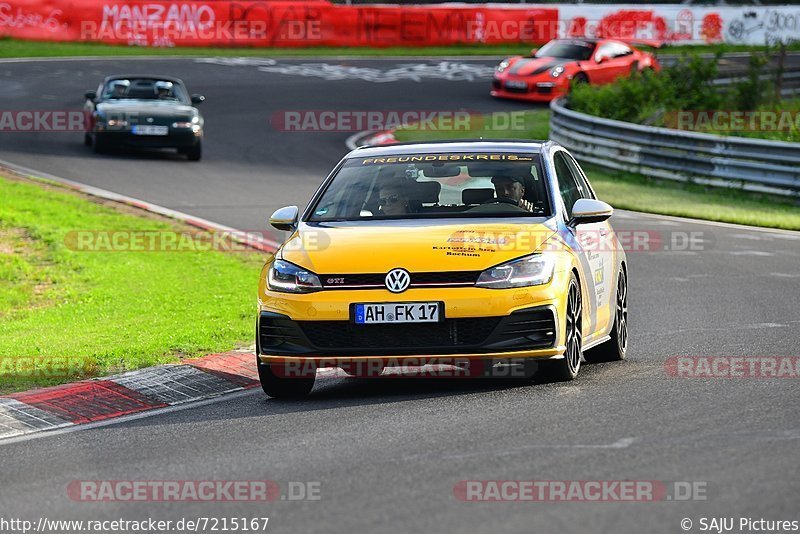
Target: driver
[(119, 88), (163, 90), (511, 187)]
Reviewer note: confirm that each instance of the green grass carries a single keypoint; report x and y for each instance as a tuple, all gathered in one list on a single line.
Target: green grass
[(635, 192), (10, 48), (788, 109), (533, 124), (68, 314)]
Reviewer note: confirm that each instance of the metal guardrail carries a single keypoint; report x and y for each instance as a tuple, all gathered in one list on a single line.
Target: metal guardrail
[(737, 162)]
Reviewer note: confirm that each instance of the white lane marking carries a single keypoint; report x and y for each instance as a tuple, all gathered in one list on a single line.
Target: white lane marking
[(748, 236), (749, 253), (132, 417), (623, 443), (785, 275)]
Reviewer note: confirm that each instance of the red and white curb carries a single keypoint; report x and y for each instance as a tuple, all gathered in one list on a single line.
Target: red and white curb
[(90, 401), (370, 138)]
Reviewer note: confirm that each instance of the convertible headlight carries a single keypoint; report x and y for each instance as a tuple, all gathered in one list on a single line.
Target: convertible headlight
[(502, 66), (528, 271), (557, 71), (116, 123), (287, 277)]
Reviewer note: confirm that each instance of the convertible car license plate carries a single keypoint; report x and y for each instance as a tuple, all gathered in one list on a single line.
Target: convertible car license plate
[(144, 129), (402, 312)]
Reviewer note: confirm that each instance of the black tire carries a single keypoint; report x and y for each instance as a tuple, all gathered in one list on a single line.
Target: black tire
[(579, 79), (567, 368), (615, 349), (194, 153), (283, 387)]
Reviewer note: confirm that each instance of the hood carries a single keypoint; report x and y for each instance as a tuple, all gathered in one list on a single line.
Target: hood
[(151, 108), (465, 246), (529, 66)]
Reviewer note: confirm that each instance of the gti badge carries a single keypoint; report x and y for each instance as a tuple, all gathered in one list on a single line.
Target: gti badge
[(397, 280)]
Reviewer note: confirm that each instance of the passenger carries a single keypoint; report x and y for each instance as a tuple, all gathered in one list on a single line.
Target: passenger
[(393, 199)]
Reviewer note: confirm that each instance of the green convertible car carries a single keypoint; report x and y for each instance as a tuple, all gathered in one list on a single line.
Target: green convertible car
[(144, 112)]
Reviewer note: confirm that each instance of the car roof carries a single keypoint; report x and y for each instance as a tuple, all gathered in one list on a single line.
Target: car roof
[(462, 145), (142, 77)]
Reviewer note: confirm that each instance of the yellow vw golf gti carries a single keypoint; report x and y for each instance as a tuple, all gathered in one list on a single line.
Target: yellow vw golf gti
[(474, 255)]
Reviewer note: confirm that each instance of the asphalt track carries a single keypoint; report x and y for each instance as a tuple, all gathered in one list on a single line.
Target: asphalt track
[(388, 453)]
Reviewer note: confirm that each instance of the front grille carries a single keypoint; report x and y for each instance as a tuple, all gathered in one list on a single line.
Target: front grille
[(545, 90), (449, 333), (377, 280)]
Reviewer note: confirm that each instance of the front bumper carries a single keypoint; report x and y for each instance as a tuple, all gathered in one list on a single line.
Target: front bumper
[(478, 324), (175, 139), (534, 91)]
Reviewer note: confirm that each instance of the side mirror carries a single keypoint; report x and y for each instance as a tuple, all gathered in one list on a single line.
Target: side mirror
[(90, 95), (284, 218), (533, 52), (198, 99), (587, 210), (601, 59)]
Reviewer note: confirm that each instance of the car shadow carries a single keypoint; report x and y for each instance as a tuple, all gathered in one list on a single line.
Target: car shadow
[(336, 393)]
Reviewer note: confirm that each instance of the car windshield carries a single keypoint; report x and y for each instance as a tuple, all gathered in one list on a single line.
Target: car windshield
[(577, 50), (434, 185), (144, 89)]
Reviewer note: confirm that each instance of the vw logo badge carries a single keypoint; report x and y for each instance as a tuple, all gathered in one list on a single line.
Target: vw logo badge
[(397, 280), (149, 119)]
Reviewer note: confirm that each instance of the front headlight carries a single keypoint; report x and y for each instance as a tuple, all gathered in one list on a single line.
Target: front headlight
[(533, 270), (557, 71), (184, 123), (287, 277), (502, 66)]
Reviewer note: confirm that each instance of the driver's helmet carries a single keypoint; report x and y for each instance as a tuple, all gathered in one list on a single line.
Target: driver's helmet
[(163, 88), (119, 87)]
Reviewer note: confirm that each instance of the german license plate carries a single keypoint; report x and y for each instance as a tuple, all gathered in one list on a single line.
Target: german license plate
[(146, 129), (515, 84), (400, 312)]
